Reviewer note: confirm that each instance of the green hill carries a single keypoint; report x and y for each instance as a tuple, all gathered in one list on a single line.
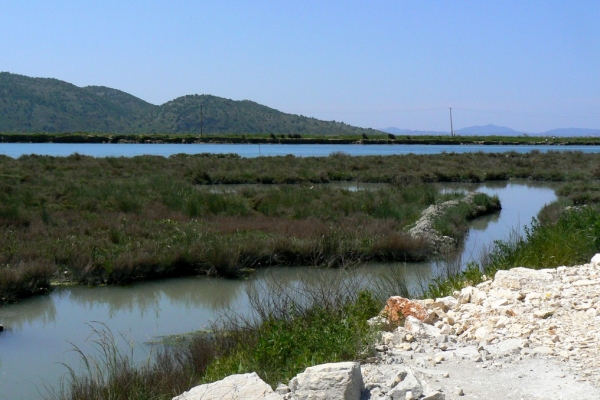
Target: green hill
[(50, 105)]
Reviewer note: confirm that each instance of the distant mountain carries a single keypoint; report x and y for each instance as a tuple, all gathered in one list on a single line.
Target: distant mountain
[(472, 130), (572, 132), (398, 131), (498, 130), (487, 130), (50, 105)]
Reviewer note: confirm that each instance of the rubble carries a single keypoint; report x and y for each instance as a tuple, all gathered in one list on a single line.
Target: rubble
[(532, 334)]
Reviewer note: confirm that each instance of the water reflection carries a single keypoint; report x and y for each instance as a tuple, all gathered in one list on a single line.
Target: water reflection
[(482, 223), (150, 297), (37, 310)]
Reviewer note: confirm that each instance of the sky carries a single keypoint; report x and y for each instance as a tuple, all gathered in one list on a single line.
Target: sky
[(528, 65)]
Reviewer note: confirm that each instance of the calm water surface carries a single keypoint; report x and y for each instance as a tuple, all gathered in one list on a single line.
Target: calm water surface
[(40, 332), (254, 150)]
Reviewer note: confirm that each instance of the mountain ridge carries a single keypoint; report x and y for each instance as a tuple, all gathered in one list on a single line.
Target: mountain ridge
[(50, 105)]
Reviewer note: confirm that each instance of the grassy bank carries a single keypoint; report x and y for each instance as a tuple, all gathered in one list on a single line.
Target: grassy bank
[(204, 169), (118, 220), (291, 327), (562, 234)]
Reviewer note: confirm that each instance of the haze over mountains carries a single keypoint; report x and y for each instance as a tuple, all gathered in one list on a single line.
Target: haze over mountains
[(51, 105), (497, 130)]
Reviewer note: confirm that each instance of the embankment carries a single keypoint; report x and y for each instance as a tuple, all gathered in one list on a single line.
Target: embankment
[(525, 334)]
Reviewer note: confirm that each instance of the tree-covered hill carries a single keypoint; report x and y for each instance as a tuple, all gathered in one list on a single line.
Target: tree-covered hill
[(50, 105)]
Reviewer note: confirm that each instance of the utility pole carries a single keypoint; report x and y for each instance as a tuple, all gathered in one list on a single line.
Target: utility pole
[(201, 122), (451, 130)]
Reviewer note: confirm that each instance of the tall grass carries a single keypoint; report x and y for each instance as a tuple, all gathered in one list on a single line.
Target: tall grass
[(290, 327), (113, 374), (573, 239)]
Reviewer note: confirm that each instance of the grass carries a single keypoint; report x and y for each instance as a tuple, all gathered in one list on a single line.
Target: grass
[(118, 220), (451, 222), (113, 374), (291, 327), (561, 235)]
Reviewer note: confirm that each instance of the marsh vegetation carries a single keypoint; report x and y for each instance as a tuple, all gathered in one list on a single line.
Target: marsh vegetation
[(117, 220), (280, 340), (293, 327)]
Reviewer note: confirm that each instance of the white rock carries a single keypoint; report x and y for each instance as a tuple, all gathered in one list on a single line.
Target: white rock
[(409, 384), (584, 282), (244, 386), (505, 347), (328, 381)]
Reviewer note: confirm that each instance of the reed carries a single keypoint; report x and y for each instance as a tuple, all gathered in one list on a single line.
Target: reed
[(290, 327), (119, 220)]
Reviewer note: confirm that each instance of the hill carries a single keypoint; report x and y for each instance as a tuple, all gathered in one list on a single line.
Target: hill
[(572, 132), (487, 130), (398, 131), (50, 105), (228, 116)]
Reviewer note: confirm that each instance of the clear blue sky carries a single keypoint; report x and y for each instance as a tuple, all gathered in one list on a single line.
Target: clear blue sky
[(528, 65)]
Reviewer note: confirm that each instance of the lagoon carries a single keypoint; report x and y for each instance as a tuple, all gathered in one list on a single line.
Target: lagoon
[(16, 150)]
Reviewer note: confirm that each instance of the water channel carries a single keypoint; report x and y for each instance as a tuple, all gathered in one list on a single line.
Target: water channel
[(40, 332), (255, 150)]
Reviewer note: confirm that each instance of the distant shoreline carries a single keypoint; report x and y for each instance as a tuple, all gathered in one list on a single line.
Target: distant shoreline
[(296, 139)]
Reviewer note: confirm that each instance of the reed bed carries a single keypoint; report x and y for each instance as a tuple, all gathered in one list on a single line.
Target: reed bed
[(288, 321), (118, 220)]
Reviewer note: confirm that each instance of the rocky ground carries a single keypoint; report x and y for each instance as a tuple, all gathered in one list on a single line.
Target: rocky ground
[(524, 335)]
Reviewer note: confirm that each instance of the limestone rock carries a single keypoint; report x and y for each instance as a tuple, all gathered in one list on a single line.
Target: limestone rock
[(328, 381), (409, 384), (244, 386)]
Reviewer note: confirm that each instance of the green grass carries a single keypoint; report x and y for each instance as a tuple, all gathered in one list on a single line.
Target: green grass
[(451, 223), (292, 327), (118, 220), (295, 327)]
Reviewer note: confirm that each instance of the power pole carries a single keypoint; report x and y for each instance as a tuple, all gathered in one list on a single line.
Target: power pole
[(201, 122), (451, 130)]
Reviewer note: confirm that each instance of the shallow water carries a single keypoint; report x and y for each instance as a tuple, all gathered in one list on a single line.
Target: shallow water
[(40, 332), (254, 150)]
